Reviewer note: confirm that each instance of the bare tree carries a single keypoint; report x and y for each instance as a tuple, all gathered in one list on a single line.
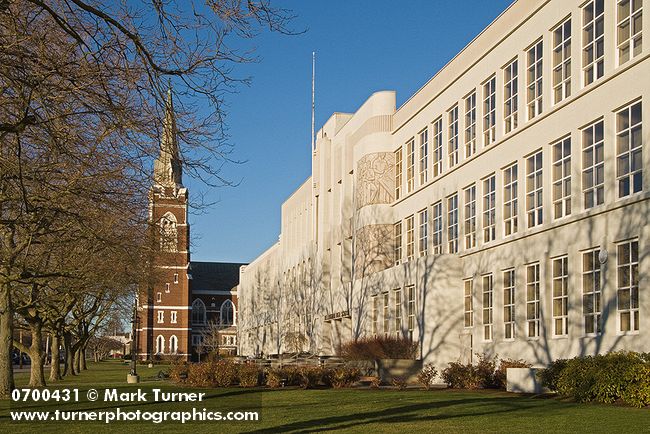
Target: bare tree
[(83, 85)]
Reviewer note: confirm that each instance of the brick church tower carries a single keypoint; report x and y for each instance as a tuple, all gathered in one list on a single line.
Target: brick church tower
[(164, 307)]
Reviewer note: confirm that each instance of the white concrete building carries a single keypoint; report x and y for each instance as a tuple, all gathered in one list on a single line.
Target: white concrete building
[(503, 208)]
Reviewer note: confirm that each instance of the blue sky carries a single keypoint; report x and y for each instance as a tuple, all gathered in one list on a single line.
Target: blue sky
[(362, 46)]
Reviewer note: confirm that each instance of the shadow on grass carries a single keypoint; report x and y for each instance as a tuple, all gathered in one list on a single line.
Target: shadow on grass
[(406, 414)]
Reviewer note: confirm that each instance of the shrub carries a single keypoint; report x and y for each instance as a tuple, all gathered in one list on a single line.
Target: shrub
[(549, 376), (248, 375), (577, 379), (310, 376), (200, 375), (274, 378), (327, 376), (224, 373), (603, 378), (292, 375), (426, 376), (375, 382), (637, 379), (460, 376), (379, 347), (501, 374), (485, 369), (399, 382), (345, 376), (178, 372), (467, 376)]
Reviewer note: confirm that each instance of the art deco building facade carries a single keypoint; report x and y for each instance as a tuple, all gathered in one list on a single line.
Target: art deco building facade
[(502, 209)]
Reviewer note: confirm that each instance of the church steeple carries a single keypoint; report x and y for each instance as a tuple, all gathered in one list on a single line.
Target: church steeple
[(167, 169)]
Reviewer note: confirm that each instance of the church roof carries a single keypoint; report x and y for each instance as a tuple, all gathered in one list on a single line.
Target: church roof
[(214, 276)]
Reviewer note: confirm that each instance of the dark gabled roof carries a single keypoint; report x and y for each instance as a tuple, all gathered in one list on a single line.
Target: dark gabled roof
[(214, 276)]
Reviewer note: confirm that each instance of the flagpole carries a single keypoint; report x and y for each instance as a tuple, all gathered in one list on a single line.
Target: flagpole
[(313, 98)]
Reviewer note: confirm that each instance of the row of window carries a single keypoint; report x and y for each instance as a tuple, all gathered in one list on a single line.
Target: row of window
[(628, 42), (226, 312), (591, 157), (391, 305), (160, 345), (173, 316), (229, 340), (199, 313), (589, 269)]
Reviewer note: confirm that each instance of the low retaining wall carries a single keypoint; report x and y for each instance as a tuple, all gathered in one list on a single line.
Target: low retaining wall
[(405, 368), (524, 380)]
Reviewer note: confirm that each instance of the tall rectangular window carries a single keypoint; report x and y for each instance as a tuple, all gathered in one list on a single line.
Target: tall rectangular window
[(510, 96), (510, 214), (452, 223), (410, 308), (398, 174), (489, 111), (591, 304), (562, 178), (410, 238), (174, 316), (397, 243), (161, 316), (629, 161), (470, 217), (593, 41), (593, 165), (375, 315), (627, 272), (398, 310), (437, 228), (532, 300), (386, 313), (452, 144), (489, 209), (410, 165), (534, 182), (424, 156), (561, 296), (487, 307), (534, 80), (437, 147), (562, 61), (423, 232), (470, 125), (469, 303), (630, 25), (509, 303)]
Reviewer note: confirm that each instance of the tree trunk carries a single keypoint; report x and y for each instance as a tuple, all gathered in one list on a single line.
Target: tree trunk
[(6, 343), (77, 357), (69, 355), (55, 367), (36, 371), (82, 358)]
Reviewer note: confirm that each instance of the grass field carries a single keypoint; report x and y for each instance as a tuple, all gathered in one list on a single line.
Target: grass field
[(350, 410)]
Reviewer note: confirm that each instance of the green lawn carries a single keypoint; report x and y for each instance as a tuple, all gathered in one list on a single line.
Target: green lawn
[(351, 410)]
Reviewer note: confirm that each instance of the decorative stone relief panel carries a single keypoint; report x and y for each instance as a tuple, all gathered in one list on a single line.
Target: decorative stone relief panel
[(375, 179), (373, 249)]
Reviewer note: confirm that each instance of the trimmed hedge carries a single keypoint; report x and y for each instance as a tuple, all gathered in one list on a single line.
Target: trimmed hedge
[(607, 378), (309, 377), (379, 347)]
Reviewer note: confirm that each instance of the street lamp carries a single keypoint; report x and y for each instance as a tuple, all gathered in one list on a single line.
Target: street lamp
[(133, 376)]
